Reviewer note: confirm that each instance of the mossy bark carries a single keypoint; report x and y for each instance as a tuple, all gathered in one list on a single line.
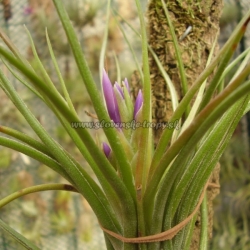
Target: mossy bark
[(203, 16), (195, 48)]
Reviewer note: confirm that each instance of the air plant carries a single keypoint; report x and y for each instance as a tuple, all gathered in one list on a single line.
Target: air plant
[(145, 197)]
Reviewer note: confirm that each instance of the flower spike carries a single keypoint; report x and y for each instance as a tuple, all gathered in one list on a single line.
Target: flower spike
[(110, 98)]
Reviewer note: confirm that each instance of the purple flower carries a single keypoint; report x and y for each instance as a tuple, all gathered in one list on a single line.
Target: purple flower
[(138, 103), (118, 101), (110, 98), (106, 149)]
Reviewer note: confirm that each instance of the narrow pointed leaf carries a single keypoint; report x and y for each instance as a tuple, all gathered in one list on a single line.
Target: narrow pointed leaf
[(18, 237)]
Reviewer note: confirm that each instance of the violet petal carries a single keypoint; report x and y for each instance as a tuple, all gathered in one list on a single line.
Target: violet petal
[(138, 103), (110, 99), (106, 149)]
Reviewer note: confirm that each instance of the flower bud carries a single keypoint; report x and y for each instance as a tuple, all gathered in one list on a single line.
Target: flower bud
[(106, 149), (138, 104), (110, 98)]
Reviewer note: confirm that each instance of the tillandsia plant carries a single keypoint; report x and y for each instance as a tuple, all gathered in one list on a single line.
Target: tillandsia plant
[(144, 196)]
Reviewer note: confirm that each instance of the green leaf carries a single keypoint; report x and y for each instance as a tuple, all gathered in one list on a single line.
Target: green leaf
[(86, 185), (65, 91), (158, 190), (214, 83), (45, 75), (200, 94), (231, 66), (145, 141), (118, 69), (104, 43), (184, 85), (26, 139), (206, 158), (130, 46), (35, 154), (18, 237), (166, 135), (18, 77), (123, 164), (204, 225), (172, 90), (13, 48)]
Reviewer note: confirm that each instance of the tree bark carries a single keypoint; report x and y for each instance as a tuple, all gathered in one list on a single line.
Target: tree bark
[(203, 16)]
